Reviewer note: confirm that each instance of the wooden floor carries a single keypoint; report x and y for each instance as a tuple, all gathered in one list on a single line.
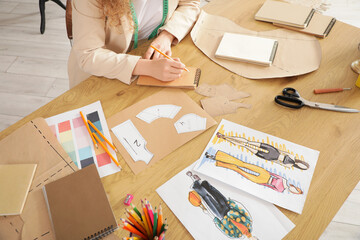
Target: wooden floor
[(33, 71)]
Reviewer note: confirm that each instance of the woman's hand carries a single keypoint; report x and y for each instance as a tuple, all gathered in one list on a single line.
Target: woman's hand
[(163, 43), (162, 69)]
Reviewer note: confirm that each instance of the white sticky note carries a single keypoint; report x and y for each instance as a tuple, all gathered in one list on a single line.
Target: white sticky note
[(132, 141)]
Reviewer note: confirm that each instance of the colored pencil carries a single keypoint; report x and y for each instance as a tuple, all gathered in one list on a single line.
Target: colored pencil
[(139, 221), (101, 135), (162, 236), (150, 211), (130, 228), (330, 90), (156, 49), (164, 226), (147, 217), (144, 222), (136, 217), (160, 221), (87, 127), (136, 224), (106, 150), (155, 223), (135, 209)]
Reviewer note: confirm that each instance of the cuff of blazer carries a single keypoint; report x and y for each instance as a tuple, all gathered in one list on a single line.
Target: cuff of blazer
[(125, 74)]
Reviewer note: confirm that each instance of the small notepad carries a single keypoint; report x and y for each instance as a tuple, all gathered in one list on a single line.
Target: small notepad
[(189, 80), (15, 181), (247, 48), (285, 13)]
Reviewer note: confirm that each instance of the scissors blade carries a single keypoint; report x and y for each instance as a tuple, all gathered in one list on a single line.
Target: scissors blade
[(330, 107)]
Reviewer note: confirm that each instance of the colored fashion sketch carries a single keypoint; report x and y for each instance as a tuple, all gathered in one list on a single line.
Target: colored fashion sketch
[(209, 209), (229, 216), (268, 167)]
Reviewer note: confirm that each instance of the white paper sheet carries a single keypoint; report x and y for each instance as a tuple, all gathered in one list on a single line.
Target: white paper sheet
[(282, 184), (72, 134), (132, 141), (190, 123), (267, 222), (158, 111)]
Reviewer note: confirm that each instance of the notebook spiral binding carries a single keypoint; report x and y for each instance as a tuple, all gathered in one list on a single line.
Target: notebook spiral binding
[(101, 234), (197, 77)]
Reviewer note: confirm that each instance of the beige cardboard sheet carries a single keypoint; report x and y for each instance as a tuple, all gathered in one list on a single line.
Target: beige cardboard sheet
[(161, 136), (296, 54), (34, 143)]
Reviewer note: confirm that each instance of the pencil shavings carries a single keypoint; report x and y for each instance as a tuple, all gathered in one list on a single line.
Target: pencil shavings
[(216, 106), (223, 90)]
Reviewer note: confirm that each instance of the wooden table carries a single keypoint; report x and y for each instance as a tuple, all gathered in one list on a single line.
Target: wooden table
[(335, 135)]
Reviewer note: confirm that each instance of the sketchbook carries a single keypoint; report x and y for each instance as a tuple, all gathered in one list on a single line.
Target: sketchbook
[(268, 167), (154, 127), (211, 210), (15, 181), (78, 206), (319, 26), (188, 80), (285, 13), (247, 48)]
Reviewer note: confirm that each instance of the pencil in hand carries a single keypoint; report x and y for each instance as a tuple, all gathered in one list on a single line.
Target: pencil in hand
[(156, 49)]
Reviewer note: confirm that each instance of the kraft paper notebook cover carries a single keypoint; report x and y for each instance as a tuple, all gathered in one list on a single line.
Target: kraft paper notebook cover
[(152, 128), (34, 143), (285, 13), (319, 26), (247, 48), (78, 206), (15, 181), (188, 80)]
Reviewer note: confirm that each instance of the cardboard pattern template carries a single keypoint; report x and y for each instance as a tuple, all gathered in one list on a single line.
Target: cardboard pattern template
[(296, 54)]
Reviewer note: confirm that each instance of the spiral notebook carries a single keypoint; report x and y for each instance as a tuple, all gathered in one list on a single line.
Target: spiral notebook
[(246, 48), (78, 206), (189, 80), (294, 15)]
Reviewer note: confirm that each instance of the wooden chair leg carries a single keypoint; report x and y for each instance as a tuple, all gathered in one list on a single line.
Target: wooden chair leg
[(42, 15)]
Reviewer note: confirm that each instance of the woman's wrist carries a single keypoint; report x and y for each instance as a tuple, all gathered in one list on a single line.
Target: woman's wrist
[(142, 67), (167, 35)]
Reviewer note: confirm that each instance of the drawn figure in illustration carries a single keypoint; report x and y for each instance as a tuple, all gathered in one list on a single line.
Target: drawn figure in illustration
[(229, 216), (253, 173), (267, 152)]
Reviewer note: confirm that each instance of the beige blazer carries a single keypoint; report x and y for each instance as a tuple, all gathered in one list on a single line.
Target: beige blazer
[(100, 50)]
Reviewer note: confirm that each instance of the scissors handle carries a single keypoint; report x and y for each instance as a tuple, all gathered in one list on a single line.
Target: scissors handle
[(290, 102), (290, 92)]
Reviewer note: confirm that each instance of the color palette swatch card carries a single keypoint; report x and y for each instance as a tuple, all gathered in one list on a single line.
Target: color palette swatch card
[(70, 130)]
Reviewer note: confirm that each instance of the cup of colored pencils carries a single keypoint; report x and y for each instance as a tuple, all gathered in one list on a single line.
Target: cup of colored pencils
[(146, 225)]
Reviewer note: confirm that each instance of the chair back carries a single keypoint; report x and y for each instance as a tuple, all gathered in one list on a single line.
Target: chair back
[(68, 19)]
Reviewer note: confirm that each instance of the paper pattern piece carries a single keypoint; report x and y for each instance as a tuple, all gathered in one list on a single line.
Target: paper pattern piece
[(265, 166), (132, 141), (72, 134), (216, 106), (160, 135), (34, 143), (296, 54), (190, 123), (155, 112), (211, 210), (223, 90)]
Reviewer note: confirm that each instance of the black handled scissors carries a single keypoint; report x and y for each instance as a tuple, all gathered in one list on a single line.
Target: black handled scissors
[(292, 99)]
